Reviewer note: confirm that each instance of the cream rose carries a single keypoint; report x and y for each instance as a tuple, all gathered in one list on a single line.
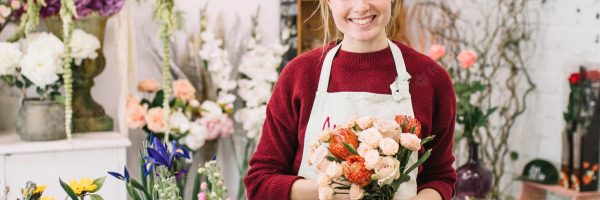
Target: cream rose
[(156, 119), (184, 90), (388, 128), (389, 146), (334, 170), (363, 149), (324, 180), (179, 121), (387, 170), (319, 158), (365, 122), (325, 193), (356, 192), (370, 136), (371, 158), (410, 141), (326, 134), (196, 138), (351, 121), (210, 109)]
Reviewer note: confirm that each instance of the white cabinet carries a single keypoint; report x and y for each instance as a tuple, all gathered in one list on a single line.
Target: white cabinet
[(87, 155)]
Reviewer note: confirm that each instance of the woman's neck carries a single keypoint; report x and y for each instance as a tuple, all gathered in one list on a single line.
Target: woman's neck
[(364, 46)]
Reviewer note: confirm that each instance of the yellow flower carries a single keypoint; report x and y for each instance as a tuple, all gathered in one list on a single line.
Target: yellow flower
[(84, 185), (39, 189), (47, 198)]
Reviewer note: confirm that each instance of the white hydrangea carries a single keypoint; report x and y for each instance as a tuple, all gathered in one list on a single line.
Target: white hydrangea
[(84, 46), (9, 58)]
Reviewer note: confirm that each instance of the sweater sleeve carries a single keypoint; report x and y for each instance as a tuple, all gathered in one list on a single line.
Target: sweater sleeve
[(437, 172), (271, 172)]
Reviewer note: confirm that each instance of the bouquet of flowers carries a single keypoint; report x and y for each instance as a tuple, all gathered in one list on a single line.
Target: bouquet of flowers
[(371, 154), (37, 60)]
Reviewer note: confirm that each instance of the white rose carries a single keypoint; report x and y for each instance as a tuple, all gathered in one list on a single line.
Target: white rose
[(388, 128), (371, 158), (365, 122), (9, 58), (370, 136), (387, 170), (334, 170), (326, 134), (410, 141), (356, 192), (197, 136), (179, 121), (194, 103), (210, 109), (319, 158), (40, 68), (84, 46), (44, 43), (325, 193), (324, 180), (351, 121), (362, 149), (389, 146)]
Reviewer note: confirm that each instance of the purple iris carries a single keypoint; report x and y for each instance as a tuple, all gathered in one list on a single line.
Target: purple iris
[(160, 155), (52, 7), (124, 176)]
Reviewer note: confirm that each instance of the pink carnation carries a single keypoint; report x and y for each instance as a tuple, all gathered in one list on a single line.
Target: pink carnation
[(436, 52), (410, 141), (136, 115), (467, 58), (184, 90), (217, 126)]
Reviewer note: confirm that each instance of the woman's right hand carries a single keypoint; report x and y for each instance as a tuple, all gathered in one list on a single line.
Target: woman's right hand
[(304, 189)]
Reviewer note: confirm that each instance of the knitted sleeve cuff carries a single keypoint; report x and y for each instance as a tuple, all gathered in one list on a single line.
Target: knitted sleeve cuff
[(444, 189)]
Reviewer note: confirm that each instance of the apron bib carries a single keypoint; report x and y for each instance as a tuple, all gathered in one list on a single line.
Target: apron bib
[(336, 108)]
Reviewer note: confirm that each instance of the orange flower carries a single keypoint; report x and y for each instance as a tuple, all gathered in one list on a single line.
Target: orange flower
[(595, 167), (407, 124), (337, 140), (355, 170), (586, 165)]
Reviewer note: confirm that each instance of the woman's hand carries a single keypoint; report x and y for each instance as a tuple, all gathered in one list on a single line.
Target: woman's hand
[(304, 189), (427, 194)]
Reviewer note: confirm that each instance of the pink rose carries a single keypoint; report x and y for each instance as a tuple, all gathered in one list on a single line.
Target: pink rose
[(132, 101), (156, 119), (467, 58), (184, 90), (436, 52), (202, 196), (4, 11), (148, 85), (15, 5), (2, 20), (136, 115)]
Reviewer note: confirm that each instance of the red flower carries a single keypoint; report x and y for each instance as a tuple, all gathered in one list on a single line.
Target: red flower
[(337, 140), (355, 170), (407, 124), (574, 78), (593, 75)]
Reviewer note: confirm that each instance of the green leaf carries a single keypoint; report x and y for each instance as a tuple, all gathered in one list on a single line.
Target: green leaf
[(96, 197), (140, 187), (350, 148), (98, 182), (427, 139), (333, 158), (158, 99), (134, 195), (196, 188), (419, 162), (68, 190)]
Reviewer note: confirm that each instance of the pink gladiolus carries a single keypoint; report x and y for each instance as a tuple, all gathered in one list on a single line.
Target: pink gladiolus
[(202, 196)]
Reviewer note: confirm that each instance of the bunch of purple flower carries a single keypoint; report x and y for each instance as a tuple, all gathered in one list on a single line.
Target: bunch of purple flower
[(84, 7)]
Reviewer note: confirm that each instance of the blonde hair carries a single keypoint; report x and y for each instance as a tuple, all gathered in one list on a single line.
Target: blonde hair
[(330, 31)]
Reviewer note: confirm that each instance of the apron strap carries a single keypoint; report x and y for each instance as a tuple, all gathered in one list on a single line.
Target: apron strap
[(403, 75)]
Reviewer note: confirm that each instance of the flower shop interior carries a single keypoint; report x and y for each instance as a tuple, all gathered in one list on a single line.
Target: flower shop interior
[(166, 99)]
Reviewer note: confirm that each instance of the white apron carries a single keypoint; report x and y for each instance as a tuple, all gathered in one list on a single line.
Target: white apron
[(337, 107)]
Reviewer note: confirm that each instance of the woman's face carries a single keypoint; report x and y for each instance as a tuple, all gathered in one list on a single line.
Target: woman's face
[(362, 20)]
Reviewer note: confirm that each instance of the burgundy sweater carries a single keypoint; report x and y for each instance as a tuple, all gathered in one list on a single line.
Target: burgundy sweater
[(275, 164)]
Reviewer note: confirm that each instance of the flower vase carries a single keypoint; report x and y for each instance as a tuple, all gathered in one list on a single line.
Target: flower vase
[(88, 115), (474, 181), (37, 120)]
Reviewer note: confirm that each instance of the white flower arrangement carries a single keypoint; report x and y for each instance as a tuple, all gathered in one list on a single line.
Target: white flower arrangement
[(84, 46)]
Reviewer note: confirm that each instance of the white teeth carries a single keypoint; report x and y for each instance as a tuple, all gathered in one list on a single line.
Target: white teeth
[(362, 21)]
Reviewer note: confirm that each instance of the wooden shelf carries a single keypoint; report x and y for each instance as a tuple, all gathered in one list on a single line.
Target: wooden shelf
[(10, 143)]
